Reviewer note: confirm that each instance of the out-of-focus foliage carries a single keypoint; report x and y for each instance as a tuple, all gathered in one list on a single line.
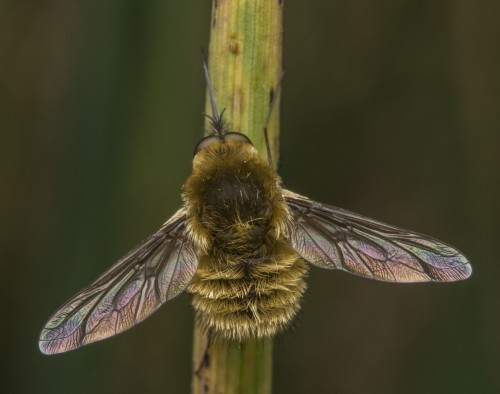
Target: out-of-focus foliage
[(389, 109)]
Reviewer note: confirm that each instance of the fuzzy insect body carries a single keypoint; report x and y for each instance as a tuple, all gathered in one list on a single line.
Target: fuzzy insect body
[(249, 280)]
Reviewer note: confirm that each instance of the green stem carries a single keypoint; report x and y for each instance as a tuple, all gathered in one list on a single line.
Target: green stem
[(245, 68)]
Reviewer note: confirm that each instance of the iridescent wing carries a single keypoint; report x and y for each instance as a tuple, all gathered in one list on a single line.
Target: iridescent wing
[(157, 270), (334, 238)]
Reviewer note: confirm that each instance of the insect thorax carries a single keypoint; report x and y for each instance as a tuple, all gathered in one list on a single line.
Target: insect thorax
[(234, 200), (250, 280)]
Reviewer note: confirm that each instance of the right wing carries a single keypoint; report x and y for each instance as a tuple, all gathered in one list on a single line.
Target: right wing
[(335, 238)]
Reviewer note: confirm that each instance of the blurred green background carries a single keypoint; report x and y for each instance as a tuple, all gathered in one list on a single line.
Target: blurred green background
[(390, 109)]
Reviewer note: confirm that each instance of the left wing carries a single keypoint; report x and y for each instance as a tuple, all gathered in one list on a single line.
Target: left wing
[(331, 237), (157, 270)]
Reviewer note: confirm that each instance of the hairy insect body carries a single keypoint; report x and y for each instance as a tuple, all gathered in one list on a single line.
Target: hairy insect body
[(249, 280)]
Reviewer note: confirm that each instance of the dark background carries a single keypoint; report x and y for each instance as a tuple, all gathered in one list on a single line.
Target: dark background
[(390, 109)]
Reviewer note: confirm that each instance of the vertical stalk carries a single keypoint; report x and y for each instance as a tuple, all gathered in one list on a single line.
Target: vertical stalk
[(245, 67)]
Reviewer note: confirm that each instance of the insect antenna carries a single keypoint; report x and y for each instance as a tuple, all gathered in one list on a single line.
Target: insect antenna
[(273, 95), (215, 119)]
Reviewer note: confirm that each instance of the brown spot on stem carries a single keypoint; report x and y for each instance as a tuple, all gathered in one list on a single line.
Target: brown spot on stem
[(234, 47), (214, 13)]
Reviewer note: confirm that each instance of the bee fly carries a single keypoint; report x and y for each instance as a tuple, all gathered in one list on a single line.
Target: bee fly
[(240, 246)]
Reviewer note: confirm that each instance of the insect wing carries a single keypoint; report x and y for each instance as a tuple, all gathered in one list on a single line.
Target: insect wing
[(157, 270), (334, 238)]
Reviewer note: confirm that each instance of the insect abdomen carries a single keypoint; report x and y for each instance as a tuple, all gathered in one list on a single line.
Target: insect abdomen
[(242, 299)]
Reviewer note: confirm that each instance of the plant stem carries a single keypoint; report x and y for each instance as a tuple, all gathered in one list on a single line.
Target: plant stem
[(245, 68)]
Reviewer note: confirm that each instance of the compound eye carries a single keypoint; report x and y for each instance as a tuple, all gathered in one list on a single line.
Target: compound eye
[(237, 137), (204, 142)]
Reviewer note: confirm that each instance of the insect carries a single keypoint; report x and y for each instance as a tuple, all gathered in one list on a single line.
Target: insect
[(240, 245)]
